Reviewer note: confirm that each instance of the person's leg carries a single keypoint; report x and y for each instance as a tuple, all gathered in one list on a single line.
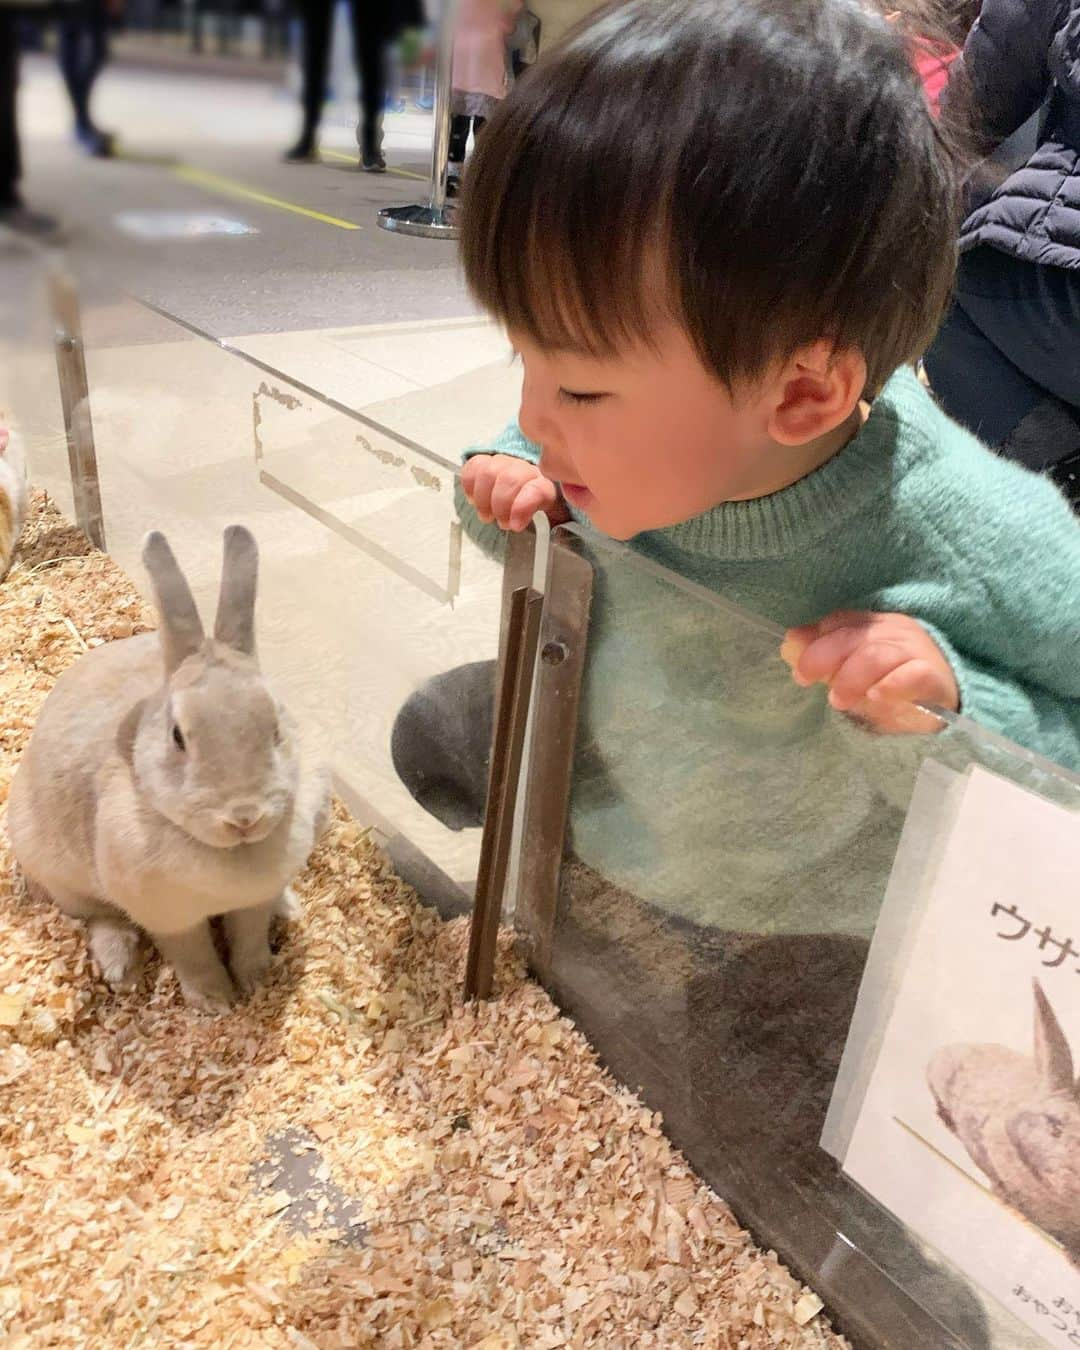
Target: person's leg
[(459, 138), (441, 743), (1032, 313), (974, 382), (1011, 340), (369, 43), (82, 50), (69, 55), (315, 19), (13, 214), (459, 141), (10, 167), (97, 44)]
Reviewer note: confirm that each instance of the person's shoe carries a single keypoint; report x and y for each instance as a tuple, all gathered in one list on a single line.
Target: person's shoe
[(373, 161), (453, 185), (20, 219), (95, 142), (305, 151)]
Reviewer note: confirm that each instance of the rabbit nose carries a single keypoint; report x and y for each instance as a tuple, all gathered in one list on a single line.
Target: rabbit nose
[(244, 816)]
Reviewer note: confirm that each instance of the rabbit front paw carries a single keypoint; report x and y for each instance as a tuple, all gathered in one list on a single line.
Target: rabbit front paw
[(249, 968), (287, 906), (215, 994), (117, 948), (247, 932), (204, 980)]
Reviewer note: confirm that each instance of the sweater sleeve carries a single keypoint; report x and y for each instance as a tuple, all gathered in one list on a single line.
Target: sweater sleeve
[(1039, 719), (489, 538), (1009, 619), (509, 441)]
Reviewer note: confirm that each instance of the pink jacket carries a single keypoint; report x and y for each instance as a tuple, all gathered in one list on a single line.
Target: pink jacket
[(480, 45)]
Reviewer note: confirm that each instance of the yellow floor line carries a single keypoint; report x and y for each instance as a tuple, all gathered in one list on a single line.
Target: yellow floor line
[(353, 159), (231, 188)]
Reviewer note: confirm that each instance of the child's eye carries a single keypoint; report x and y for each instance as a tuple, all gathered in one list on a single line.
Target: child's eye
[(569, 396)]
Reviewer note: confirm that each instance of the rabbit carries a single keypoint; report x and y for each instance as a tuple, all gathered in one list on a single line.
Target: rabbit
[(1019, 1119), (14, 495), (164, 784)]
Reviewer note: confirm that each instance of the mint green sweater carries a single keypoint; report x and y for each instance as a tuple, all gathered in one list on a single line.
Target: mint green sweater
[(708, 760)]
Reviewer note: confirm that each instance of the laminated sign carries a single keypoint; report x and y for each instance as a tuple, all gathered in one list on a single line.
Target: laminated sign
[(961, 1091)]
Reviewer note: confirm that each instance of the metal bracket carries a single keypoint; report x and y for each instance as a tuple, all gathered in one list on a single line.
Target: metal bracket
[(522, 635), (563, 640)]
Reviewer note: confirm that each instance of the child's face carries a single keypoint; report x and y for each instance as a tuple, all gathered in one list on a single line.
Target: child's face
[(648, 439)]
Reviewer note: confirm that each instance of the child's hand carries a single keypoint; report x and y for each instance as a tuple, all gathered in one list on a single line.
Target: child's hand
[(876, 666), (511, 491)]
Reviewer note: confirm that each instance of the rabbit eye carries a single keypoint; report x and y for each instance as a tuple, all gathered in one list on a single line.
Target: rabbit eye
[(178, 738)]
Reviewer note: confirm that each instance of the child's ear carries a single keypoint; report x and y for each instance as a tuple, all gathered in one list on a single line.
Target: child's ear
[(816, 392)]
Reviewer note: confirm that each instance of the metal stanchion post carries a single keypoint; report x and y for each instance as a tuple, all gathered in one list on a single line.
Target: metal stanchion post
[(433, 220)]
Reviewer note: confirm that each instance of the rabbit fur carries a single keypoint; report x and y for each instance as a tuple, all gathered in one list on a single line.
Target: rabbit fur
[(164, 785), (14, 495), (1019, 1119)]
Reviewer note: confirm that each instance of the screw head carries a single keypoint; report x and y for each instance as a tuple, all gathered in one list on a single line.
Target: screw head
[(554, 653)]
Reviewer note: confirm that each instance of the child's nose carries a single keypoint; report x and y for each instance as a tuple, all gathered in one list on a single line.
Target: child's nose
[(537, 425)]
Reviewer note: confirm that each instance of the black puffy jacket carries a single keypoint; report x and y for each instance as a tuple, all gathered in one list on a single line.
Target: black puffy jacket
[(1019, 54)]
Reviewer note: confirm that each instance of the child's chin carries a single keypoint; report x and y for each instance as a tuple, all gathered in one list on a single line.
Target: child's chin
[(621, 533)]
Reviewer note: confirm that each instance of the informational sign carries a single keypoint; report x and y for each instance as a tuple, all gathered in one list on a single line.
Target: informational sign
[(966, 1122)]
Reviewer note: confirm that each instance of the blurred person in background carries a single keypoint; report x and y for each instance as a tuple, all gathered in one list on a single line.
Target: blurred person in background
[(13, 212), (82, 50), (481, 72), (10, 167), (1006, 362), (375, 24)]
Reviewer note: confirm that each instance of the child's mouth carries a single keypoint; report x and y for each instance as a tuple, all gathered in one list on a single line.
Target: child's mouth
[(576, 495)]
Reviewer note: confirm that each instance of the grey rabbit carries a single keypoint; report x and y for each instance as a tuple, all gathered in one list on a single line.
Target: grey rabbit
[(1019, 1119), (164, 784)]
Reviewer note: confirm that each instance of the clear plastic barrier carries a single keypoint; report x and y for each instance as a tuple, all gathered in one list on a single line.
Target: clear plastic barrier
[(368, 589), (731, 842)]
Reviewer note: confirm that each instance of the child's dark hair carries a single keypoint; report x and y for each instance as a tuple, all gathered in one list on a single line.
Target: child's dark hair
[(765, 172)]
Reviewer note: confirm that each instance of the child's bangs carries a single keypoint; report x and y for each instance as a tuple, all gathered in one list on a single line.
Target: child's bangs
[(567, 281), (562, 214)]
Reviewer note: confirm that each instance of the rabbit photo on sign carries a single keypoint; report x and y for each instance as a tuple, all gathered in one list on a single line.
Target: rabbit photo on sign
[(164, 785), (1018, 1116)]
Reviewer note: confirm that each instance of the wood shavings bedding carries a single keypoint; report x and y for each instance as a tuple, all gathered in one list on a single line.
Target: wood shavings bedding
[(492, 1187)]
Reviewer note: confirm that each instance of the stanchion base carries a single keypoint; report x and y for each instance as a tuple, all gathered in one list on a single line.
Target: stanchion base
[(428, 221)]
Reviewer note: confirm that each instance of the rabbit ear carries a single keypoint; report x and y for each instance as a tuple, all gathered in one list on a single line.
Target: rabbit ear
[(1052, 1057), (235, 623), (181, 627)]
